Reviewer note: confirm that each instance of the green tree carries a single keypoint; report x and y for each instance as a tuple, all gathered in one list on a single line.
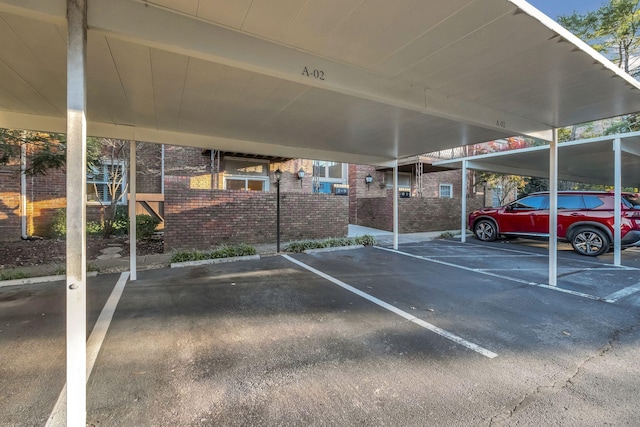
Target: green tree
[(507, 184), (613, 30), (45, 150)]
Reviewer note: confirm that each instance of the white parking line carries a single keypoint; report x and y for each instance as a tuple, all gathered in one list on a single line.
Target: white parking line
[(623, 293), (397, 311), (488, 273), (58, 415)]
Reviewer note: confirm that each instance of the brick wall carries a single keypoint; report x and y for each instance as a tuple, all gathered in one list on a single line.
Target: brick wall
[(10, 223), (200, 218), (414, 214), (45, 195)]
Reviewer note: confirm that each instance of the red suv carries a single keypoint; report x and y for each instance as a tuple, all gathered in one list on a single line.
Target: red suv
[(585, 219)]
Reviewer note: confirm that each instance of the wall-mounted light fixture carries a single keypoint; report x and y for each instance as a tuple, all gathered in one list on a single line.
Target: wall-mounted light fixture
[(300, 176), (368, 180)]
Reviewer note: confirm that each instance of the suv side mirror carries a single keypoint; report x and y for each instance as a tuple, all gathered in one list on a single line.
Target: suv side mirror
[(509, 208)]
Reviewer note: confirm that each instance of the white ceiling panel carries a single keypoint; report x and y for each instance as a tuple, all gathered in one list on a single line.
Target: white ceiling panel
[(371, 80), (270, 19), (229, 13)]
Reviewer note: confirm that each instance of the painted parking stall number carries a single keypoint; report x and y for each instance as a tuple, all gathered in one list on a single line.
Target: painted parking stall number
[(314, 73)]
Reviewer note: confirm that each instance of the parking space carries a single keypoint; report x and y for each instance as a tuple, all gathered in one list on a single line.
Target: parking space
[(437, 333), (526, 261)]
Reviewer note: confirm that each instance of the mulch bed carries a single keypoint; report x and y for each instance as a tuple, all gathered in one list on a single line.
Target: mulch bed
[(25, 253)]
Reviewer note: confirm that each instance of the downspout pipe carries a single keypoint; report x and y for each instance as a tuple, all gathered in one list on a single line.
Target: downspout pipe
[(23, 192)]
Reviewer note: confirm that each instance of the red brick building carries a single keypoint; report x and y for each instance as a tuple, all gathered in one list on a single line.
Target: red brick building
[(207, 197)]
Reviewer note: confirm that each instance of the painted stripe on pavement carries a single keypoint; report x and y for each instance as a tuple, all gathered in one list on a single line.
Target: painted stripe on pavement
[(623, 293), (58, 415), (499, 276), (396, 310)]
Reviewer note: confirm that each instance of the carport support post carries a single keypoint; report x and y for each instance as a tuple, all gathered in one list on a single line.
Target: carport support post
[(463, 213), (76, 214), (395, 206), (617, 201), (133, 232), (553, 210)]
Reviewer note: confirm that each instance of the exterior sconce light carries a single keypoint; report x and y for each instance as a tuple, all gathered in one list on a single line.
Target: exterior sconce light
[(368, 180), (300, 176)]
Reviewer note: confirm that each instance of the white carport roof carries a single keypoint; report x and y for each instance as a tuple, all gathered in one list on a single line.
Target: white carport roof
[(386, 79), (588, 160), (348, 80)]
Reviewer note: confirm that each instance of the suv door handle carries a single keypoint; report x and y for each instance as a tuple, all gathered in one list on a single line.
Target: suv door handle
[(577, 214)]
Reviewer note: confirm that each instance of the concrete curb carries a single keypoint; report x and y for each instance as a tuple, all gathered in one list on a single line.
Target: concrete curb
[(336, 248), (214, 261), (41, 279)]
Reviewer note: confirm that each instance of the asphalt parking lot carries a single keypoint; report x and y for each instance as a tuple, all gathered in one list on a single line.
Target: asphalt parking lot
[(437, 333)]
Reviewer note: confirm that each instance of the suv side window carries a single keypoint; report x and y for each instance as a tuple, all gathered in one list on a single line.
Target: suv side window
[(570, 201), (529, 203), (592, 202)]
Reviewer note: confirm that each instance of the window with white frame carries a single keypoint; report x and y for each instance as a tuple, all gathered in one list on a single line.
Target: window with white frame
[(331, 170), (326, 174), (446, 190), (404, 179), (105, 183), (246, 174)]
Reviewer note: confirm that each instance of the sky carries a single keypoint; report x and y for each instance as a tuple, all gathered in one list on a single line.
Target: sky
[(554, 8)]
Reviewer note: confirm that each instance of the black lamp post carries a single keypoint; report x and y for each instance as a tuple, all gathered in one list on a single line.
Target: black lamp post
[(278, 175), (301, 176)]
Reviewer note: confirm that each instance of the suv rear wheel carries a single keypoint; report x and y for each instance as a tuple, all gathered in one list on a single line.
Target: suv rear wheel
[(590, 241), (485, 230)]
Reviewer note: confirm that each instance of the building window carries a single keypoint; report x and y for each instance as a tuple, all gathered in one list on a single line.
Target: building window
[(404, 179), (245, 184), (326, 174), (106, 183), (497, 197), (246, 174), (332, 170), (446, 190)]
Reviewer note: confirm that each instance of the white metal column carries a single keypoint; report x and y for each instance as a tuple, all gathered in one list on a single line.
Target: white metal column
[(617, 210), (395, 206), (463, 213), (553, 210), (76, 214), (133, 236)]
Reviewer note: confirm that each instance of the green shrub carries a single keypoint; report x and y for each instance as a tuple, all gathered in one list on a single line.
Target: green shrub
[(13, 275), (366, 240), (145, 225), (58, 227), (121, 221), (298, 247), (59, 223), (446, 235), (94, 228), (222, 251)]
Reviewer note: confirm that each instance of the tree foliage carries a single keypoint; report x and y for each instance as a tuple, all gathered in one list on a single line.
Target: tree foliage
[(45, 150), (613, 30)]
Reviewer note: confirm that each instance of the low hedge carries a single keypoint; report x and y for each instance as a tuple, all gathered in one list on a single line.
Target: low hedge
[(298, 247), (222, 251)]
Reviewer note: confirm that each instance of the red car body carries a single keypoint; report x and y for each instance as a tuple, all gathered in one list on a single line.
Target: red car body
[(585, 219)]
